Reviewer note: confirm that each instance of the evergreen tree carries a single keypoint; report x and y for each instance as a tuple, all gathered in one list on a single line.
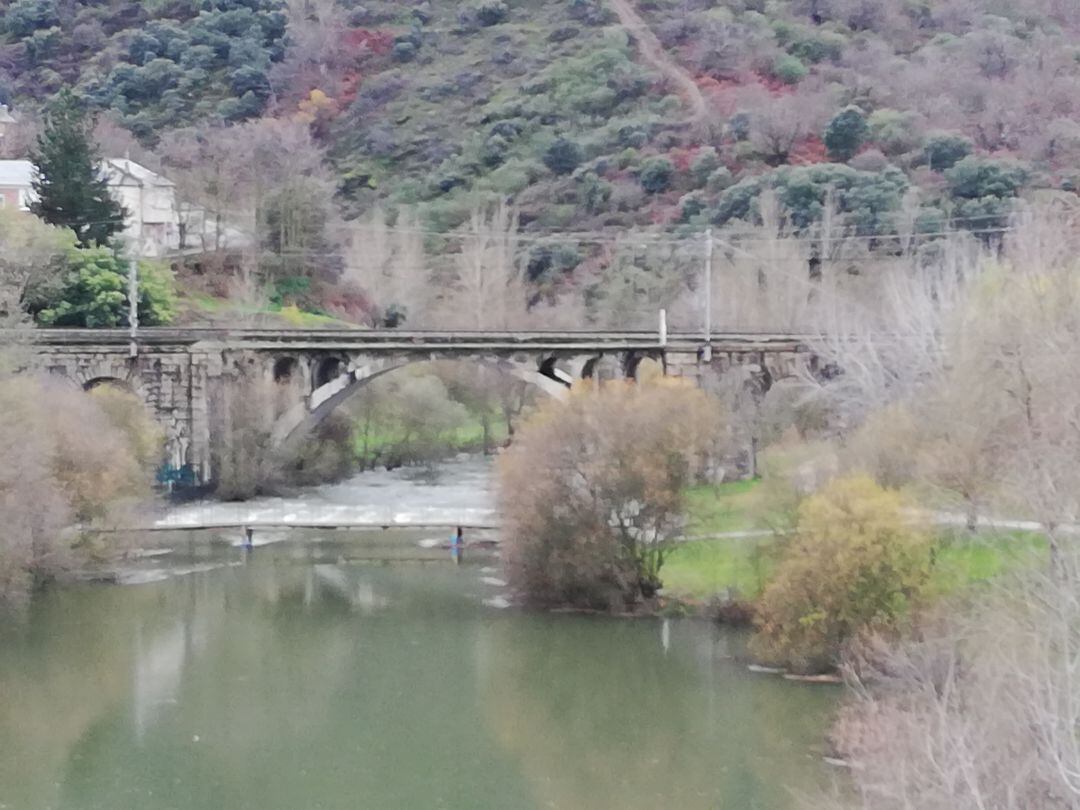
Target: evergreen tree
[(71, 191), (846, 132)]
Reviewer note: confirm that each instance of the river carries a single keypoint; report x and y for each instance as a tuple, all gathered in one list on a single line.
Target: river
[(364, 670)]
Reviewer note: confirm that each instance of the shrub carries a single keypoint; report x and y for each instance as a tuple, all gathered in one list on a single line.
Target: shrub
[(593, 193), (740, 126), (71, 461), (406, 419), (945, 150), (893, 131), (491, 12), (789, 69), (974, 178), (691, 206), (822, 45), (94, 292), (983, 213), (704, 164), (719, 180), (404, 51), (854, 563), (24, 17), (591, 490), (656, 174), (627, 158), (511, 178), (845, 133), (563, 156), (871, 160), (867, 198), (128, 414), (633, 136), (547, 263)]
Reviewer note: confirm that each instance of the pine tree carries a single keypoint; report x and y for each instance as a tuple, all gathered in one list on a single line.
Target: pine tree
[(71, 191)]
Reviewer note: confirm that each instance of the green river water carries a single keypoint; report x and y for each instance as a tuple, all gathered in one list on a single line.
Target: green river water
[(288, 679)]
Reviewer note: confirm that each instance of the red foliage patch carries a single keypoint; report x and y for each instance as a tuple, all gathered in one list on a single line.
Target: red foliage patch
[(374, 41), (712, 85), (683, 157), (663, 212), (807, 151), (718, 93), (350, 84), (775, 86), (349, 304)]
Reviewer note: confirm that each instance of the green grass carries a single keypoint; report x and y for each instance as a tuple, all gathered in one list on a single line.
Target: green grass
[(467, 437), (294, 316), (961, 561), (718, 508), (700, 569), (195, 306)]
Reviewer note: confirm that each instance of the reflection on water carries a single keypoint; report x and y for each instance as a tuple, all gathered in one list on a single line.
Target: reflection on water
[(291, 683)]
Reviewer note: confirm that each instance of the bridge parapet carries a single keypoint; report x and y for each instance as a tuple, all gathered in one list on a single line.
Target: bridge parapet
[(174, 369)]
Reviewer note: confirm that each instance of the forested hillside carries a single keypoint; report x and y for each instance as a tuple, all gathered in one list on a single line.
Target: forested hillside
[(876, 117)]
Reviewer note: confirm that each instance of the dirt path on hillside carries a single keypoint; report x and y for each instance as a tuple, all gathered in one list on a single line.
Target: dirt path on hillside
[(653, 53)]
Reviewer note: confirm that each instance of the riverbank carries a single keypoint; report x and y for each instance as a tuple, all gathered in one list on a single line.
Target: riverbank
[(737, 567)]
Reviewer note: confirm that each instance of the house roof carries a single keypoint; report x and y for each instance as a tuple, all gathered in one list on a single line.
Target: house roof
[(118, 171), (16, 173), (125, 172)]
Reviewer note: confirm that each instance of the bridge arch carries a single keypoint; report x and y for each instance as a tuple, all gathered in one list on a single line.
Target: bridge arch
[(300, 420), (327, 369), (114, 372), (285, 369), (109, 382)]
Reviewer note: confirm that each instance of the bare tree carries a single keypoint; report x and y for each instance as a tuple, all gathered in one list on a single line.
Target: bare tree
[(245, 462), (388, 265), (263, 184), (490, 292), (978, 711), (317, 54), (779, 123)]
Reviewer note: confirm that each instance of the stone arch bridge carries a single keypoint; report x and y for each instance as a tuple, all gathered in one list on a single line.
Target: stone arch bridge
[(175, 370)]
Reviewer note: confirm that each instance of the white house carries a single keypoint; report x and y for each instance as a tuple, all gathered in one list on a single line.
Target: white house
[(152, 225), (158, 223), (15, 179)]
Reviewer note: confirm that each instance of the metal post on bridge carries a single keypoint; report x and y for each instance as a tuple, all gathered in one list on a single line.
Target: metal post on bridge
[(706, 353), (133, 275), (133, 305)]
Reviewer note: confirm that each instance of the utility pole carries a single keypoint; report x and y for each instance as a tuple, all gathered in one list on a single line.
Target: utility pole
[(133, 304), (707, 352), (133, 279)]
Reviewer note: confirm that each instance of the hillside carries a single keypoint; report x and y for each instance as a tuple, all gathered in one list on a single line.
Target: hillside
[(878, 116)]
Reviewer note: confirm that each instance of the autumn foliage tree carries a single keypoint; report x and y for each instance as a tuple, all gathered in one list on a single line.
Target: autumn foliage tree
[(854, 563), (77, 461), (591, 491)]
